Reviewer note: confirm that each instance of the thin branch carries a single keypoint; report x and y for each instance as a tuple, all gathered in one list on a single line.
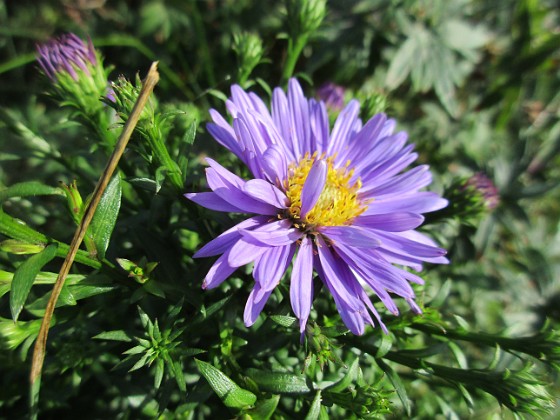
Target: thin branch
[(40, 345)]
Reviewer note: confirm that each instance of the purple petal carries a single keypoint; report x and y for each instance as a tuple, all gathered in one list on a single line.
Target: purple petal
[(319, 122), (244, 252), (393, 222), (365, 298), (274, 164), (343, 127), (212, 201), (225, 138), (230, 188), (396, 242), (253, 308), (367, 138), (416, 202), (271, 266), (220, 271), (264, 191), (225, 241), (278, 233), (376, 153), (299, 116), (334, 273), (351, 236), (412, 180), (364, 266), (301, 283), (281, 118), (313, 187)]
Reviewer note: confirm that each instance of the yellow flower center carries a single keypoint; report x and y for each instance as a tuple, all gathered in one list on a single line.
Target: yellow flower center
[(338, 203)]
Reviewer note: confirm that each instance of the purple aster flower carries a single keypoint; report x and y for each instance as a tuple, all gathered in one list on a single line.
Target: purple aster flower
[(338, 200), (68, 54), (332, 95)]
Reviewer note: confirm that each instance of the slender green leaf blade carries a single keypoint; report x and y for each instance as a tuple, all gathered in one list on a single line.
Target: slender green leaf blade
[(24, 277), (315, 408), (116, 335), (231, 394), (105, 217), (30, 188), (280, 382), (264, 409), (397, 383)]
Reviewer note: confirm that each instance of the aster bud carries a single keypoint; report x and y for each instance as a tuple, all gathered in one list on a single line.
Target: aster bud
[(122, 96), (74, 200), (332, 95), (12, 334), (305, 16), (470, 197), (14, 246), (249, 50), (374, 103), (140, 271), (76, 71), (484, 190)]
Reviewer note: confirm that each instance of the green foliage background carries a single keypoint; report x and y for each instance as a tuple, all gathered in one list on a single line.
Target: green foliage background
[(476, 85)]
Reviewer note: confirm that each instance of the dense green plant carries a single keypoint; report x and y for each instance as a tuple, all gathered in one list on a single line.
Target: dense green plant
[(475, 84)]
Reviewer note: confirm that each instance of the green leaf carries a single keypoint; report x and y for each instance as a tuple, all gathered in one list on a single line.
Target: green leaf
[(231, 394), (160, 369), (397, 383), (385, 345), (31, 188), (179, 376), (105, 216), (279, 382), (284, 320), (116, 335), (441, 295), (466, 395), (17, 229), (24, 277), (143, 361), (190, 134), (212, 309), (459, 355), (315, 408), (347, 379), (264, 409), (146, 184), (402, 63)]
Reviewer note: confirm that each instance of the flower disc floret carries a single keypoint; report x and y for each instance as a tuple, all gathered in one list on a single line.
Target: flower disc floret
[(338, 203)]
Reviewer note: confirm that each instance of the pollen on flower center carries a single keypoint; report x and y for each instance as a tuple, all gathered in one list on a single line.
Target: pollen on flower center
[(338, 203)]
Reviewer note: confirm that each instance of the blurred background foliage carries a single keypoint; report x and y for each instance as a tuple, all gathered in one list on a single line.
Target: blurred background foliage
[(476, 85)]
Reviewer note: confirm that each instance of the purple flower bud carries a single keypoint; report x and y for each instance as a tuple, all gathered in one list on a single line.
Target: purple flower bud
[(486, 188), (66, 54), (332, 95)]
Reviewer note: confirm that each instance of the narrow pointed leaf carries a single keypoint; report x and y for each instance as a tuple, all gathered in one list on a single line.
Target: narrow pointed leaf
[(231, 394), (397, 383), (347, 379), (279, 382), (24, 277), (105, 217), (315, 408), (31, 188), (264, 409)]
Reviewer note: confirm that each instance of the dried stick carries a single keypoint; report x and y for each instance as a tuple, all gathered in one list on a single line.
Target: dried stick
[(40, 345)]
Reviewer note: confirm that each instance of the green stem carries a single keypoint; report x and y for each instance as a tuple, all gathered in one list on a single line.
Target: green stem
[(538, 345), (156, 141), (20, 231), (294, 51)]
